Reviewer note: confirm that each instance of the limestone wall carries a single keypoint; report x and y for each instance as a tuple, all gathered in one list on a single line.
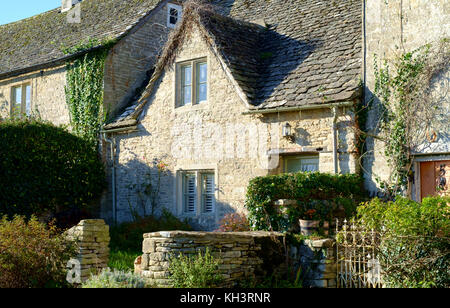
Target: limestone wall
[(216, 136), (47, 97), (129, 61), (317, 260), (242, 255), (394, 27), (91, 237)]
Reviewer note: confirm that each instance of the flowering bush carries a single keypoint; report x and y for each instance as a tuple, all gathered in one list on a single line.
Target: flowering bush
[(234, 222), (32, 255)]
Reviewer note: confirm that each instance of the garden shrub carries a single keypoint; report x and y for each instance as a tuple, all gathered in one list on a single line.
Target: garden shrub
[(32, 255), (128, 236), (45, 169), (329, 194), (234, 222), (199, 271), (108, 279), (414, 240)]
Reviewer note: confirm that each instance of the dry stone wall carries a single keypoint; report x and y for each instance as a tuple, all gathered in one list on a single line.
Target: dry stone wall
[(242, 255), (317, 260), (92, 239)]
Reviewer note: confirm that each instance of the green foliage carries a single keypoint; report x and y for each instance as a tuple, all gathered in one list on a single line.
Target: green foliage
[(323, 192), (234, 222), (395, 92), (414, 240), (115, 280), (46, 169), (128, 236), (200, 271), (122, 260), (32, 255), (84, 89)]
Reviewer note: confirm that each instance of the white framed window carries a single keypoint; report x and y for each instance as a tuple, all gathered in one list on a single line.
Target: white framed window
[(174, 14), (21, 100), (198, 192), (192, 82), (304, 163)]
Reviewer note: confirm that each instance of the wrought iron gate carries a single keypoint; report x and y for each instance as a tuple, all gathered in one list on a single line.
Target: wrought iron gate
[(356, 252)]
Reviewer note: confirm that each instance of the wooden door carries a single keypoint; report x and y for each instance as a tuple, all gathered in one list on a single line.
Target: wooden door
[(434, 178)]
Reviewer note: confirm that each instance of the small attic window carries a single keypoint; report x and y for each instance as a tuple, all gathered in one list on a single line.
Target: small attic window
[(174, 13)]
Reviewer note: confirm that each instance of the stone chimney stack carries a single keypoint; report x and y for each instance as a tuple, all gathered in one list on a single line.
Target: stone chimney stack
[(66, 5)]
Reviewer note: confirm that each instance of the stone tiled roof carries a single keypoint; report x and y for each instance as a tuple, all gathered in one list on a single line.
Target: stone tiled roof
[(283, 53), (40, 39), (237, 42), (313, 49)]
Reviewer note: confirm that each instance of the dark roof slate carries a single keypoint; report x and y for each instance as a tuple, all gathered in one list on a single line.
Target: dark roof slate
[(286, 53), (40, 39), (313, 49)]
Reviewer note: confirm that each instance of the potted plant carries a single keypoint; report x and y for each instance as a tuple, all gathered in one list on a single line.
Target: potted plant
[(313, 218)]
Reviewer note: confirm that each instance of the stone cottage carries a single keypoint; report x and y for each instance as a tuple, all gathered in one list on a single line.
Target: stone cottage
[(204, 98), (33, 64), (241, 90)]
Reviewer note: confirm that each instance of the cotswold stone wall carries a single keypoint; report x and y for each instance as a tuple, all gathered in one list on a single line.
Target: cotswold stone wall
[(243, 255), (317, 260), (48, 98), (216, 136), (394, 27), (128, 64), (91, 237)]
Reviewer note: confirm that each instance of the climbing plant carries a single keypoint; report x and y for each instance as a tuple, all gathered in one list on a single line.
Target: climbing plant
[(84, 88), (407, 113)]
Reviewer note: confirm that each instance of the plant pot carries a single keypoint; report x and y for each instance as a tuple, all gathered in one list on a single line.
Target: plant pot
[(308, 227)]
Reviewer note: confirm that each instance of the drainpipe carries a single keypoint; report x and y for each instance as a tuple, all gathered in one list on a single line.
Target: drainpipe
[(112, 142), (335, 141)]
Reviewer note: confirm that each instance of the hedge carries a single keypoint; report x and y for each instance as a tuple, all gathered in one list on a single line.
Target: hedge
[(46, 169), (308, 188)]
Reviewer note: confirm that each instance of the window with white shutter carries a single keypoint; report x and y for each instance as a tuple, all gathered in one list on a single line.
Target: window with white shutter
[(198, 191), (189, 192), (208, 191)]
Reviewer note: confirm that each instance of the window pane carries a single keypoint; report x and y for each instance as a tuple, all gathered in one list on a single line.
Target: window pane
[(305, 164), (208, 189), (17, 108), (186, 84), (189, 192), (28, 99), (187, 95), (187, 75), (202, 72), (202, 93)]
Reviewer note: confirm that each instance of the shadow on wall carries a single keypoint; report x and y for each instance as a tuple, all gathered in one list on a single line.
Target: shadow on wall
[(144, 187)]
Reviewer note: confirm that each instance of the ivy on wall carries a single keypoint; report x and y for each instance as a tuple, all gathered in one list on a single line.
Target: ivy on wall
[(407, 112), (84, 88)]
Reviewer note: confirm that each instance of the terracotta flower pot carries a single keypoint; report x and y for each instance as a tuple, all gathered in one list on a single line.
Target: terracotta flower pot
[(308, 227)]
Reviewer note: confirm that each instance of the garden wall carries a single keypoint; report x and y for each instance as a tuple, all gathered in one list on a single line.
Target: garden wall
[(250, 256), (243, 255), (92, 240)]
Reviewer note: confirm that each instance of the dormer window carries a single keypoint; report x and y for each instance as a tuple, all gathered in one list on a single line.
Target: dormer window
[(174, 13)]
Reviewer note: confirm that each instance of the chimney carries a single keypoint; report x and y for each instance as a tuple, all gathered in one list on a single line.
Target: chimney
[(66, 5)]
